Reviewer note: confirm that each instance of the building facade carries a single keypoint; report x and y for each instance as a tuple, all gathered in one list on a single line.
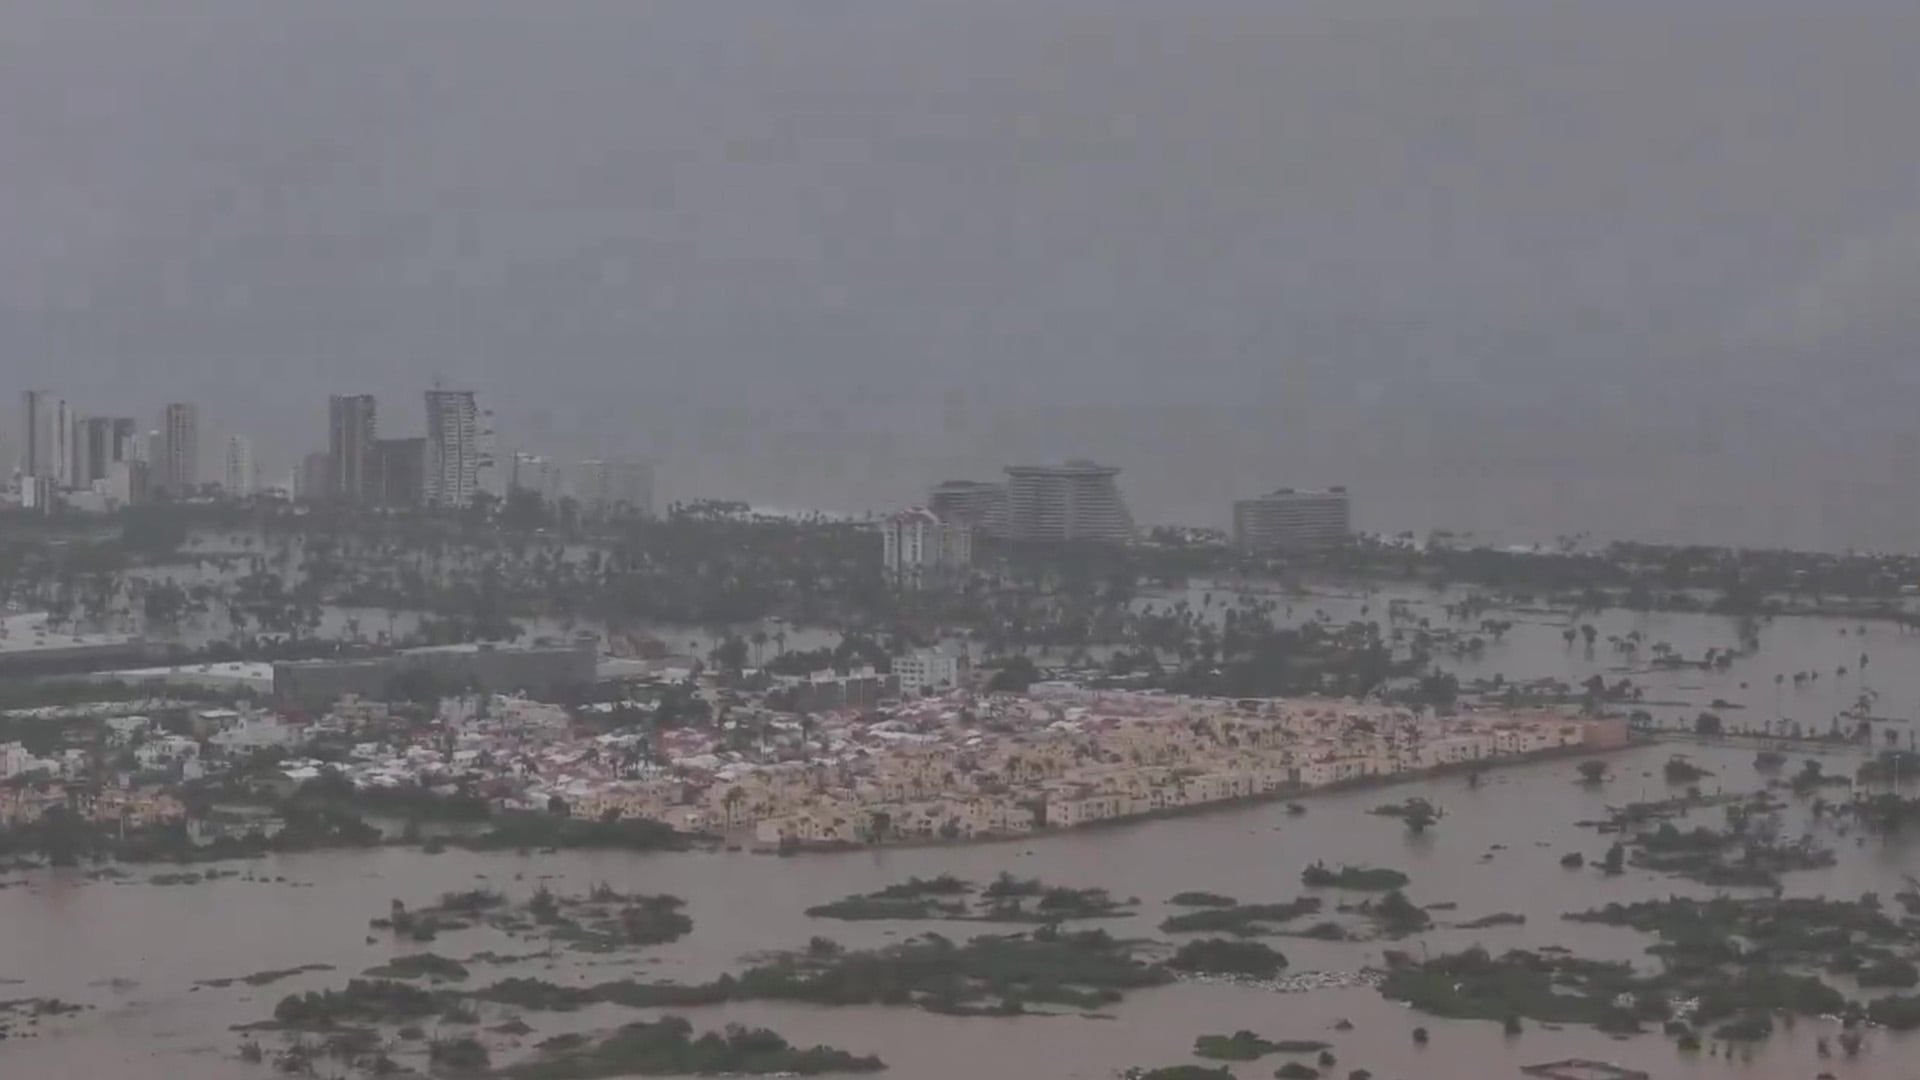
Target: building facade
[(453, 448), (47, 452), (352, 428), (928, 669), (36, 433), (1290, 520), (179, 465), (99, 444), (539, 475), (314, 481), (400, 472), (615, 487), (243, 478), (1076, 501), (918, 549), (972, 502)]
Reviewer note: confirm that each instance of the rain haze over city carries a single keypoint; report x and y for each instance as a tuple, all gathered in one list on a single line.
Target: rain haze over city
[(1099, 539)]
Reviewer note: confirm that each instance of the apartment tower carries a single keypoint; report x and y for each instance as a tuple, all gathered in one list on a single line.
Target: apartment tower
[(243, 479), (352, 428), (179, 458), (1075, 501), (453, 448)]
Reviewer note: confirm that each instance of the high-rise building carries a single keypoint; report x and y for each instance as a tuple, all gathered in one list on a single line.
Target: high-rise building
[(974, 502), (488, 476), (918, 549), (36, 434), (126, 482), (49, 438), (615, 487), (64, 424), (1290, 520), (179, 463), (242, 479), (352, 428), (124, 440), (400, 472), (453, 448), (100, 443), (539, 475), (1076, 501), (314, 481), (83, 453)]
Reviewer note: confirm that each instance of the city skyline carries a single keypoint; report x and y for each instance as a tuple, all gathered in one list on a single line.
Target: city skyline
[(1626, 306)]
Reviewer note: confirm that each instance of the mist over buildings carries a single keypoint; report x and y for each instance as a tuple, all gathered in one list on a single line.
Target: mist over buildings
[(1526, 269)]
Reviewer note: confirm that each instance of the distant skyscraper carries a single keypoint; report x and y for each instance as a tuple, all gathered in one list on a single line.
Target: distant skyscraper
[(179, 464), (36, 433), (85, 453), (614, 487), (48, 451), (400, 472), (314, 481), (453, 448), (1074, 501), (242, 479), (352, 427), (540, 475), (100, 443)]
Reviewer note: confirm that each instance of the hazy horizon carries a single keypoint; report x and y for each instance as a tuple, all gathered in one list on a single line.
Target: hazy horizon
[(1516, 269)]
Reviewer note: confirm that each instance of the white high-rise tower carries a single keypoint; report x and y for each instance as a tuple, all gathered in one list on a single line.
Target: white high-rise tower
[(242, 477), (453, 448)]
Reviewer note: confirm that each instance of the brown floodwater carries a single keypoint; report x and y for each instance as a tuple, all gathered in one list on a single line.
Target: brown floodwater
[(134, 951)]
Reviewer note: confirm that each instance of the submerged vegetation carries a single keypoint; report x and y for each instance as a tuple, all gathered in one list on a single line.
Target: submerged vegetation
[(1006, 899), (668, 1047), (988, 975), (1356, 878), (1246, 920), (1247, 1046), (604, 920), (1220, 956)]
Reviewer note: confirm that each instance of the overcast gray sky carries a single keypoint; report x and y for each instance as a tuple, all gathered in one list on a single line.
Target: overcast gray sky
[(1632, 268)]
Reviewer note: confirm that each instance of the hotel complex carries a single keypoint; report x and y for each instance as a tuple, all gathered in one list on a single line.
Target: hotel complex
[(1290, 520)]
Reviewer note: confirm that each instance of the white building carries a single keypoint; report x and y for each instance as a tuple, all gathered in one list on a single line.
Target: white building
[(916, 547), (1076, 501), (1290, 520), (242, 477), (453, 448), (928, 669), (609, 487)]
